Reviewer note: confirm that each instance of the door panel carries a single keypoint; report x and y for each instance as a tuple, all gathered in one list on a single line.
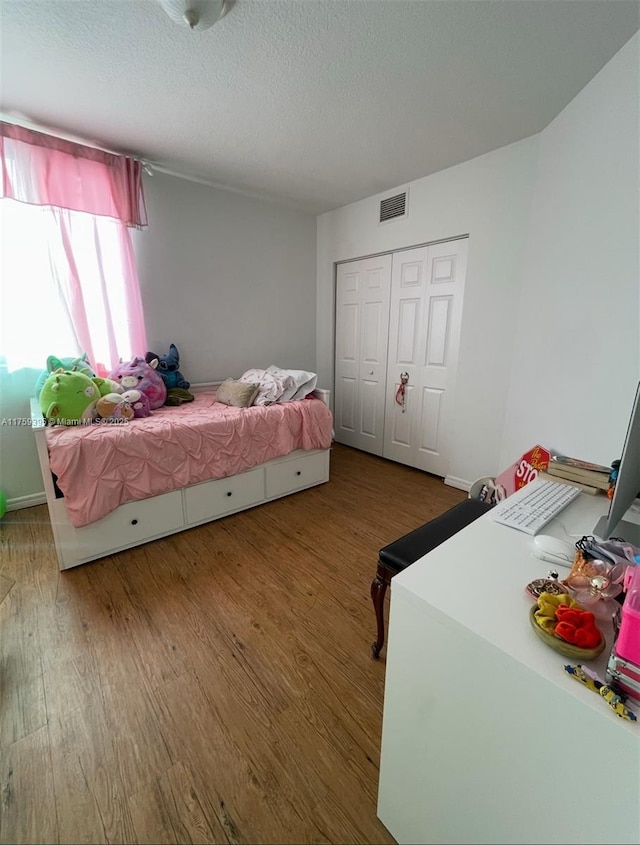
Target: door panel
[(408, 326), (398, 427), (408, 276), (350, 336), (438, 331), (346, 414), (400, 314), (369, 409), (362, 315), (429, 425), (425, 312)]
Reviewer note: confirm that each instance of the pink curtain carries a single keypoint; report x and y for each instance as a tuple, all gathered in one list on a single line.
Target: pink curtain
[(43, 170), (93, 264), (94, 198)]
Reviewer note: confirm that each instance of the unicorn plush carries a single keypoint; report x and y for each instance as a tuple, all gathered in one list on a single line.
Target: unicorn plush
[(138, 375)]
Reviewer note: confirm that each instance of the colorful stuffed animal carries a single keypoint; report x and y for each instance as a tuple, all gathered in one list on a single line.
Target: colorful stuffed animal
[(123, 406), (72, 398), (80, 365), (139, 402), (69, 398), (114, 407), (168, 368), (138, 375)]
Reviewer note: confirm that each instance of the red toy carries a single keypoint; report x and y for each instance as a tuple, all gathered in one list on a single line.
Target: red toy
[(577, 627)]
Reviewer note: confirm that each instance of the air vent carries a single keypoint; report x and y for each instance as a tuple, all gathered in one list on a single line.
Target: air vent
[(392, 207)]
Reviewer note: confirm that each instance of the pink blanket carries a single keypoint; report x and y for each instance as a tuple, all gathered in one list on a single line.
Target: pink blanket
[(99, 467)]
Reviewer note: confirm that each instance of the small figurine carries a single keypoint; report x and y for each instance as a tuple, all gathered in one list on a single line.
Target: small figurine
[(614, 699)]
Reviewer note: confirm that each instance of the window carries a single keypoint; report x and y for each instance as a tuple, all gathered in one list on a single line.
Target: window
[(69, 284)]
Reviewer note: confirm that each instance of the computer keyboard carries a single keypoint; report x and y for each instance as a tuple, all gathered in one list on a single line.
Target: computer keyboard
[(533, 510)]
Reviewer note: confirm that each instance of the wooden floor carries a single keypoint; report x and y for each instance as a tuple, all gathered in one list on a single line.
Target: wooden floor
[(214, 686)]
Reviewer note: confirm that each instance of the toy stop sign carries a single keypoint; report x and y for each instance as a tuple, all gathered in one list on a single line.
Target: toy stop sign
[(536, 460), (524, 470)]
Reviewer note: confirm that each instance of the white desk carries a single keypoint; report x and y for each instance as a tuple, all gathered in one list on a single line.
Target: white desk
[(486, 739)]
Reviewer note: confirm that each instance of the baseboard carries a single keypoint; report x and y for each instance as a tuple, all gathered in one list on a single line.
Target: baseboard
[(26, 501), (204, 385), (460, 483)]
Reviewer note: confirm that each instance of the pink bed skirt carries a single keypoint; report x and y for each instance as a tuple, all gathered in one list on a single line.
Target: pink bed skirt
[(100, 467)]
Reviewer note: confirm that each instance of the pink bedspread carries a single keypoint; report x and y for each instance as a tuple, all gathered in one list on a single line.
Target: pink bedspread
[(99, 467)]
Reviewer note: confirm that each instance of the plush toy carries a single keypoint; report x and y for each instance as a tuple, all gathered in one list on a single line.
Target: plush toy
[(80, 365), (115, 407), (108, 385), (168, 368), (178, 395), (123, 406), (139, 402), (68, 398), (72, 398), (138, 375)]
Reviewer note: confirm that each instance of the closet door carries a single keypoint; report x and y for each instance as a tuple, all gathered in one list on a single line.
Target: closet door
[(424, 333), (362, 322)]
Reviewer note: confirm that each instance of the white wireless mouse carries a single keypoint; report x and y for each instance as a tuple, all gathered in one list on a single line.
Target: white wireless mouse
[(553, 550)]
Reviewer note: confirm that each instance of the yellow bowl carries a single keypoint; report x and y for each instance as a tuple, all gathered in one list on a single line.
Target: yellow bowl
[(562, 646)]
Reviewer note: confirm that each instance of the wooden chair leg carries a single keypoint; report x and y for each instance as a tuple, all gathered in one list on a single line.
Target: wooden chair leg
[(378, 591)]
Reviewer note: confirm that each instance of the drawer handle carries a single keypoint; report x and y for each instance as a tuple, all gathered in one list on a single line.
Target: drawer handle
[(299, 472), (134, 521), (229, 493)]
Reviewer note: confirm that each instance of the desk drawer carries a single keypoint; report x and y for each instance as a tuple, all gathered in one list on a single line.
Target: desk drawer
[(215, 498), (297, 473)]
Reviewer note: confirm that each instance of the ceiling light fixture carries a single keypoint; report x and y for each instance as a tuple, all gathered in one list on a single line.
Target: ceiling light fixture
[(196, 14)]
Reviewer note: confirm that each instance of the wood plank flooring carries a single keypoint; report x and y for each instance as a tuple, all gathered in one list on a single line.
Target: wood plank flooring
[(216, 686)]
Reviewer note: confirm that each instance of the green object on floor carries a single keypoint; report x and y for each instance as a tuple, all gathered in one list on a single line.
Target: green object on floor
[(3, 504)]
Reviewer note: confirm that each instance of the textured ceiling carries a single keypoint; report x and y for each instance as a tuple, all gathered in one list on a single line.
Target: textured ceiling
[(316, 103)]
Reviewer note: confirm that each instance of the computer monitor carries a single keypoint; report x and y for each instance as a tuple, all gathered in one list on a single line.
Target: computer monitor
[(627, 485)]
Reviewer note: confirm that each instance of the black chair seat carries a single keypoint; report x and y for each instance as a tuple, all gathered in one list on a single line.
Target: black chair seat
[(408, 549)]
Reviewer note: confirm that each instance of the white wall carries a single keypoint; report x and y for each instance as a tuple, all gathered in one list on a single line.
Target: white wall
[(20, 478), (489, 199), (229, 279), (576, 360), (554, 234), (553, 226)]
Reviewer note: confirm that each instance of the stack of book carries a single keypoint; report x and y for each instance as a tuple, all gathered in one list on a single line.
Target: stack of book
[(591, 478)]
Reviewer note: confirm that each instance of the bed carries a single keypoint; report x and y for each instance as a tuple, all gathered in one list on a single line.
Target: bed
[(112, 487)]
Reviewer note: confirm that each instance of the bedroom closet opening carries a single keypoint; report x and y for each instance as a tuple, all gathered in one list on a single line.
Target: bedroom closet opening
[(398, 321)]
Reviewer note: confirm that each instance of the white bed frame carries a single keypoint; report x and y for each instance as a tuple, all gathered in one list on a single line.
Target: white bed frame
[(149, 519)]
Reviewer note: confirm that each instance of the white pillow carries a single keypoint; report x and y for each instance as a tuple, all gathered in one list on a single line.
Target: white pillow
[(286, 377), (272, 386), (307, 386), (304, 383)]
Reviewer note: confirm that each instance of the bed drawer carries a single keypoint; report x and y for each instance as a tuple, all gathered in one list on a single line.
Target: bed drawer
[(129, 525), (215, 498), (296, 473)]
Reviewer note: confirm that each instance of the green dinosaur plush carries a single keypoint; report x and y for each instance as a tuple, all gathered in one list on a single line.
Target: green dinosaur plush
[(107, 385), (69, 398), (80, 364)]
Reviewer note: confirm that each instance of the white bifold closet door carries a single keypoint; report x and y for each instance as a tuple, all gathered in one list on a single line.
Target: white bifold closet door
[(427, 286), (400, 315), (362, 325)]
